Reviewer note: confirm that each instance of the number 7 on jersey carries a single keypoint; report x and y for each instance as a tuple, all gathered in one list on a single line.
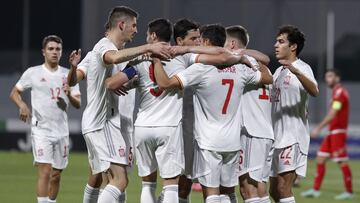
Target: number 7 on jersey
[(228, 95)]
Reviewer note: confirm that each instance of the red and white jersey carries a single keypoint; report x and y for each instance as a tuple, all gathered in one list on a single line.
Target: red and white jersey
[(217, 96), (255, 109), (340, 101), (160, 107), (101, 104), (290, 107), (48, 99)]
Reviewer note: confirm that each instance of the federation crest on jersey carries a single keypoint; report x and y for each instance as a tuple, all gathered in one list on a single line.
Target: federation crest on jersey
[(122, 152)]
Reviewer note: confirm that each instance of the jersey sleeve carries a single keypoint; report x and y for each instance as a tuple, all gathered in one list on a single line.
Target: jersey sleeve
[(84, 64), (105, 46), (251, 76), (253, 61), (25, 81), (306, 70), (191, 76), (75, 90), (190, 59)]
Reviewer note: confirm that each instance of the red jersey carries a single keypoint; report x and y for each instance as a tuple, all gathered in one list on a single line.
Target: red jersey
[(341, 119)]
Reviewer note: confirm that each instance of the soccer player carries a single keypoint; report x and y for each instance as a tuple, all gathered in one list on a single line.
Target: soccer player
[(108, 149), (256, 138), (217, 124), (334, 144), (293, 82), (50, 98)]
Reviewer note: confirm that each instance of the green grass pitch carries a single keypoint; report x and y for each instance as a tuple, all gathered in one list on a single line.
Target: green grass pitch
[(18, 179)]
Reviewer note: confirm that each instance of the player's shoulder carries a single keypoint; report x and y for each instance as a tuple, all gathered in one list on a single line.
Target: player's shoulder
[(34, 69), (63, 69), (301, 64)]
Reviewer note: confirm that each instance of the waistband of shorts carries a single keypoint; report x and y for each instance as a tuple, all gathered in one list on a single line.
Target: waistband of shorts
[(337, 131)]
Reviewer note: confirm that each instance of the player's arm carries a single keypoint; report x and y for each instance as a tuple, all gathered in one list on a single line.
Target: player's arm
[(259, 56), (75, 100), (119, 79), (162, 79), (74, 75), (24, 112), (266, 76), (335, 107), (161, 49), (310, 86)]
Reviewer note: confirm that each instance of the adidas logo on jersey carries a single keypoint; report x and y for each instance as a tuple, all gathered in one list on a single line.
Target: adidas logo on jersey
[(43, 80)]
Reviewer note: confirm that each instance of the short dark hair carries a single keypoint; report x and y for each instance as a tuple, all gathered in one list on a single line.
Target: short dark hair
[(162, 28), (215, 33), (294, 35), (238, 32), (51, 38), (182, 26), (335, 71), (119, 12)]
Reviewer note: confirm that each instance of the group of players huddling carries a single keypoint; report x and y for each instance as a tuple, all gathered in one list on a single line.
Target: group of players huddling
[(241, 124)]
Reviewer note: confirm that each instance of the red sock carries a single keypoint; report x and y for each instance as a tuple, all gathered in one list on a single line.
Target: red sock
[(320, 172), (347, 177)]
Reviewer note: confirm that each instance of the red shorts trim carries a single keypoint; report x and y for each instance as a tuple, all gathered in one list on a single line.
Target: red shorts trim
[(334, 146)]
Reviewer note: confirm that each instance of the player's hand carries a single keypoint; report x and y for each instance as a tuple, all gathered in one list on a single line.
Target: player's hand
[(24, 113), (178, 50), (315, 132), (161, 49), (67, 89), (287, 64), (122, 91), (74, 58)]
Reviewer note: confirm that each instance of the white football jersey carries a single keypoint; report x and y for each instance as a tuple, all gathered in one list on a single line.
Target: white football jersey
[(48, 99), (101, 104), (255, 109), (290, 107), (217, 96), (160, 107)]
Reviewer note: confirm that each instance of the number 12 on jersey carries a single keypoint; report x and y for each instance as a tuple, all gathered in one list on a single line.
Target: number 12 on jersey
[(229, 82)]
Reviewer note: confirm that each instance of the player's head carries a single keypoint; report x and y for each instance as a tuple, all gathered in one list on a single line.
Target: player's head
[(52, 49), (186, 33), (159, 30), (332, 77), (213, 35), (237, 37), (122, 19), (289, 42)]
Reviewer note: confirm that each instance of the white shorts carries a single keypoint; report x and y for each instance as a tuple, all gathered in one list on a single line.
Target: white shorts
[(54, 151), (289, 159), (107, 146), (255, 157), (213, 169), (159, 148)]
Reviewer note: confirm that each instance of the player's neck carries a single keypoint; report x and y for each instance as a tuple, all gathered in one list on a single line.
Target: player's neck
[(291, 58), (118, 41), (51, 66)]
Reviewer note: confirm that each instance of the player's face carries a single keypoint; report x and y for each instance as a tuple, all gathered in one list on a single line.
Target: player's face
[(52, 52), (191, 39), (331, 79), (283, 49), (130, 29)]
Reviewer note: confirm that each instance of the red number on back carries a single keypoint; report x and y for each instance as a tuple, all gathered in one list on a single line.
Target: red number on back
[(154, 91), (264, 96), (228, 95)]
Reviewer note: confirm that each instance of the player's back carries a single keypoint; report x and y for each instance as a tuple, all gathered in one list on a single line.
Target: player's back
[(159, 107), (217, 96)]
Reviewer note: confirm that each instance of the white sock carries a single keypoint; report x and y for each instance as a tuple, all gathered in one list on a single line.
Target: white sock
[(252, 200), (90, 194), (287, 200), (51, 200), (122, 198), (233, 198), (42, 199), (213, 199), (148, 192), (265, 199), (110, 194), (224, 198), (182, 200), (171, 193)]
